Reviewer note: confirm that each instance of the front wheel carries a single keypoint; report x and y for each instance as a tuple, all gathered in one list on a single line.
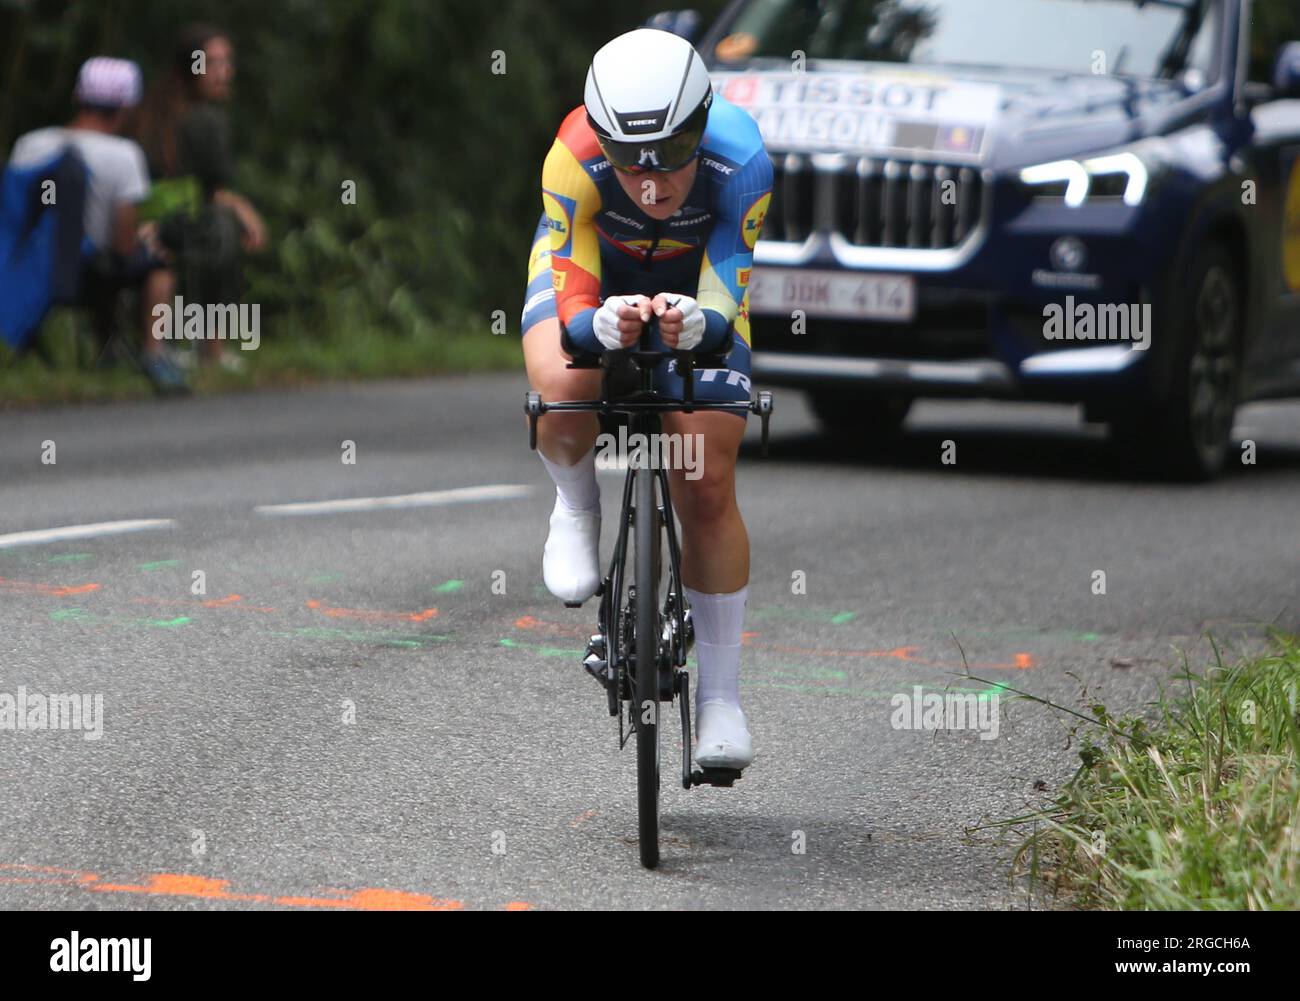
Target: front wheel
[(646, 711), (1188, 436), (862, 416)]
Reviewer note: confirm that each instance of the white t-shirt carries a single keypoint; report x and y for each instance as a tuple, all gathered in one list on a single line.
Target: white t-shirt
[(117, 167)]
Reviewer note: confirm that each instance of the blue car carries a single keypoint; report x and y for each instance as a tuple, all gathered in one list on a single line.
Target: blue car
[(1085, 201)]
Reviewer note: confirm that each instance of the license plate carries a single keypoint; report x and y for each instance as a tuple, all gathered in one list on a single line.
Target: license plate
[(841, 295)]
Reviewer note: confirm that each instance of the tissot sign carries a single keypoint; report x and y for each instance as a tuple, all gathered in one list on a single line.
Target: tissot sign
[(867, 112)]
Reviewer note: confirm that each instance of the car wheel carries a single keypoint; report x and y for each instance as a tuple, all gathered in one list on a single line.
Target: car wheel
[(1188, 435), (869, 416)]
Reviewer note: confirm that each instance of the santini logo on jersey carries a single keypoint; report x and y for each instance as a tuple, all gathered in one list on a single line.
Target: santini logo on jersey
[(624, 220)]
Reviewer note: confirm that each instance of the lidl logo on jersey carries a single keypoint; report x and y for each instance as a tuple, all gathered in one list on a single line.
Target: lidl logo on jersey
[(752, 225), (559, 216)]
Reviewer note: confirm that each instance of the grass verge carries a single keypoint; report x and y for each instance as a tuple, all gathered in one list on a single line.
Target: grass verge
[(1198, 810), (279, 361)]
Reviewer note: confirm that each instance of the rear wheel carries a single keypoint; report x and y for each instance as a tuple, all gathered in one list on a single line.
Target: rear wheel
[(647, 666), (848, 413), (1188, 435)]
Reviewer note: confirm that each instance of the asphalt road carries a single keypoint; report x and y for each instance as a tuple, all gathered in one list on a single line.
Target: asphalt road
[(352, 715)]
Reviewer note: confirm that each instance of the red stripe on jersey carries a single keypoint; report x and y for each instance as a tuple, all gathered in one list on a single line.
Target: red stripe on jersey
[(577, 135)]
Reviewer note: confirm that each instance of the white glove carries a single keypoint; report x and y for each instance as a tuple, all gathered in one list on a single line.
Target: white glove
[(605, 323), (692, 321)]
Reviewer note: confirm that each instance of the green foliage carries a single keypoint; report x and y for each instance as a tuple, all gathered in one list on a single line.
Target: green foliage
[(1199, 812), (397, 96)]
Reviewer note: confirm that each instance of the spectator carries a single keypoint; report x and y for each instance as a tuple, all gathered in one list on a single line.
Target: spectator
[(118, 181), (184, 129)]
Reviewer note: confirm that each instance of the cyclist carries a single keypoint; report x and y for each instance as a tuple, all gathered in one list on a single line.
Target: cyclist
[(654, 193)]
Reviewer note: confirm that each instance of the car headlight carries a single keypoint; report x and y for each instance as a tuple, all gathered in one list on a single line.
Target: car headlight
[(1119, 175)]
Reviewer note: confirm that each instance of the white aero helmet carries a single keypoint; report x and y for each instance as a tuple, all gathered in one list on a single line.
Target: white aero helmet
[(647, 98)]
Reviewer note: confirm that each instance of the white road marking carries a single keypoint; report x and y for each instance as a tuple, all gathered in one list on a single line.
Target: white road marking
[(433, 498), (44, 535)]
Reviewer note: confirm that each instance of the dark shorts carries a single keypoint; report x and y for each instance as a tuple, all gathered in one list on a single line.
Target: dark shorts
[(730, 383)]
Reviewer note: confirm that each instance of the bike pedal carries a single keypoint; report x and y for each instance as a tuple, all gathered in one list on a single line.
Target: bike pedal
[(599, 671), (723, 777)]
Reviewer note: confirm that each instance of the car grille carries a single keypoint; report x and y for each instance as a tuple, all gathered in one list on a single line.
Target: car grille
[(873, 202)]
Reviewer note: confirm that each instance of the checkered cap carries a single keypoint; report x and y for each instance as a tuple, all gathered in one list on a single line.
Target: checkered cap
[(109, 83)]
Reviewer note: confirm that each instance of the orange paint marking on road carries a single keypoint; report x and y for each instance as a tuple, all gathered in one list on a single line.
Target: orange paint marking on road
[(1020, 662), (170, 884), (551, 628), (899, 653), (375, 899), (372, 616), (583, 817), (908, 654), (46, 875), (231, 601), (52, 590)]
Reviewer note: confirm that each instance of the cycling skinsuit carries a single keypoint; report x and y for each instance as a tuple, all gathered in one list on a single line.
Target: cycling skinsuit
[(593, 241)]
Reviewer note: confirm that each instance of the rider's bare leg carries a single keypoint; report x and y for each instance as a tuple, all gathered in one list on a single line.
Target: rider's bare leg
[(570, 561), (562, 437), (715, 575), (715, 545)]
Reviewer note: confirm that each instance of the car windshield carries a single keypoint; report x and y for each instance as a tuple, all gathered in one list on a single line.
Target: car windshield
[(1143, 38)]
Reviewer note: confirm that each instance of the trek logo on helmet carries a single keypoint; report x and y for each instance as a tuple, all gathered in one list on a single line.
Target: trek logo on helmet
[(639, 122)]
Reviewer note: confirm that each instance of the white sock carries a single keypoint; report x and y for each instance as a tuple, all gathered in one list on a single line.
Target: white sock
[(576, 485), (718, 620)]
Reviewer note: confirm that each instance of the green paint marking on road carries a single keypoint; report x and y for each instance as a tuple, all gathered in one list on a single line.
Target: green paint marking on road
[(159, 564), (69, 558), (447, 587), (1046, 634), (807, 614), (180, 620), (544, 651), (805, 672), (81, 615), (904, 688), (807, 689)]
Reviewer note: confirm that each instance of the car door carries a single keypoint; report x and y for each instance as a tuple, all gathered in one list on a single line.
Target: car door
[(1277, 170)]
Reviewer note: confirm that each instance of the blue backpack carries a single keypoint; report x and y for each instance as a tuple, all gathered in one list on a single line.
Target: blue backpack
[(42, 247)]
